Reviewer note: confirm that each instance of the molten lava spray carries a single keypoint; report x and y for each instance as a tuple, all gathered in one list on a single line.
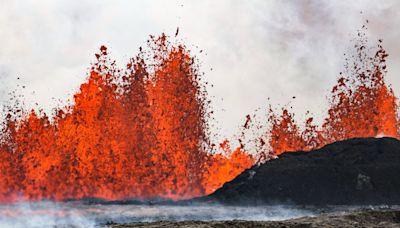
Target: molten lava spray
[(130, 133), (142, 131), (361, 105)]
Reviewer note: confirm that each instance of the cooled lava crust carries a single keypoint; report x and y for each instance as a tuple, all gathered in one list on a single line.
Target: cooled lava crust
[(359, 171)]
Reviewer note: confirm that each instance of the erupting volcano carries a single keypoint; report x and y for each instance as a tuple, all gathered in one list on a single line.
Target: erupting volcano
[(143, 131)]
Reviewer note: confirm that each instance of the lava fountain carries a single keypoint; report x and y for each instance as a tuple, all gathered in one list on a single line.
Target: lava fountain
[(143, 131), (138, 132), (361, 105)]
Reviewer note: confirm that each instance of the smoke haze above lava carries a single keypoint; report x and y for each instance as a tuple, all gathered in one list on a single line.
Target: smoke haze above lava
[(256, 49)]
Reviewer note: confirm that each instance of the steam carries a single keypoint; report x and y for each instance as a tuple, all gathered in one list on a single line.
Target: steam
[(257, 49), (43, 214), (77, 214)]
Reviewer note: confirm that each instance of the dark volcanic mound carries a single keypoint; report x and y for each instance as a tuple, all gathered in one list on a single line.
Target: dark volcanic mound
[(357, 171)]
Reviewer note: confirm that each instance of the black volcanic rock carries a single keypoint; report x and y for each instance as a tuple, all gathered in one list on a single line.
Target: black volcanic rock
[(357, 171)]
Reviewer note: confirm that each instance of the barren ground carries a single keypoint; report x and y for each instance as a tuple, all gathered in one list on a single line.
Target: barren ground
[(360, 218)]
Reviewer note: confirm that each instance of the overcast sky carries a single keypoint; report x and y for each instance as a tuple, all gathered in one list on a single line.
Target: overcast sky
[(257, 49)]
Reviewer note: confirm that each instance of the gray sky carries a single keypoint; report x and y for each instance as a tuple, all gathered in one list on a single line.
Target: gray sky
[(257, 49)]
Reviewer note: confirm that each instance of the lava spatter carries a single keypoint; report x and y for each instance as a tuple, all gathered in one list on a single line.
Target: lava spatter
[(361, 105), (142, 131), (137, 132)]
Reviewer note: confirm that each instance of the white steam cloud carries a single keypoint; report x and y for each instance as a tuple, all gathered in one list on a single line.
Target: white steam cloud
[(257, 49), (76, 214)]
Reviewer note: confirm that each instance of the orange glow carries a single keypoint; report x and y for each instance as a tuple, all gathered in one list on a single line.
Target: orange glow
[(142, 131), (361, 105), (129, 134), (225, 166)]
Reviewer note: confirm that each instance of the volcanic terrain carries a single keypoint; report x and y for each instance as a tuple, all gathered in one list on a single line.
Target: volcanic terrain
[(359, 171), (361, 218)]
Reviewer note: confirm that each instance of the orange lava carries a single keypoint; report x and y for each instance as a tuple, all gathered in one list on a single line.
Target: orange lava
[(130, 133), (361, 105), (142, 131), (225, 166)]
